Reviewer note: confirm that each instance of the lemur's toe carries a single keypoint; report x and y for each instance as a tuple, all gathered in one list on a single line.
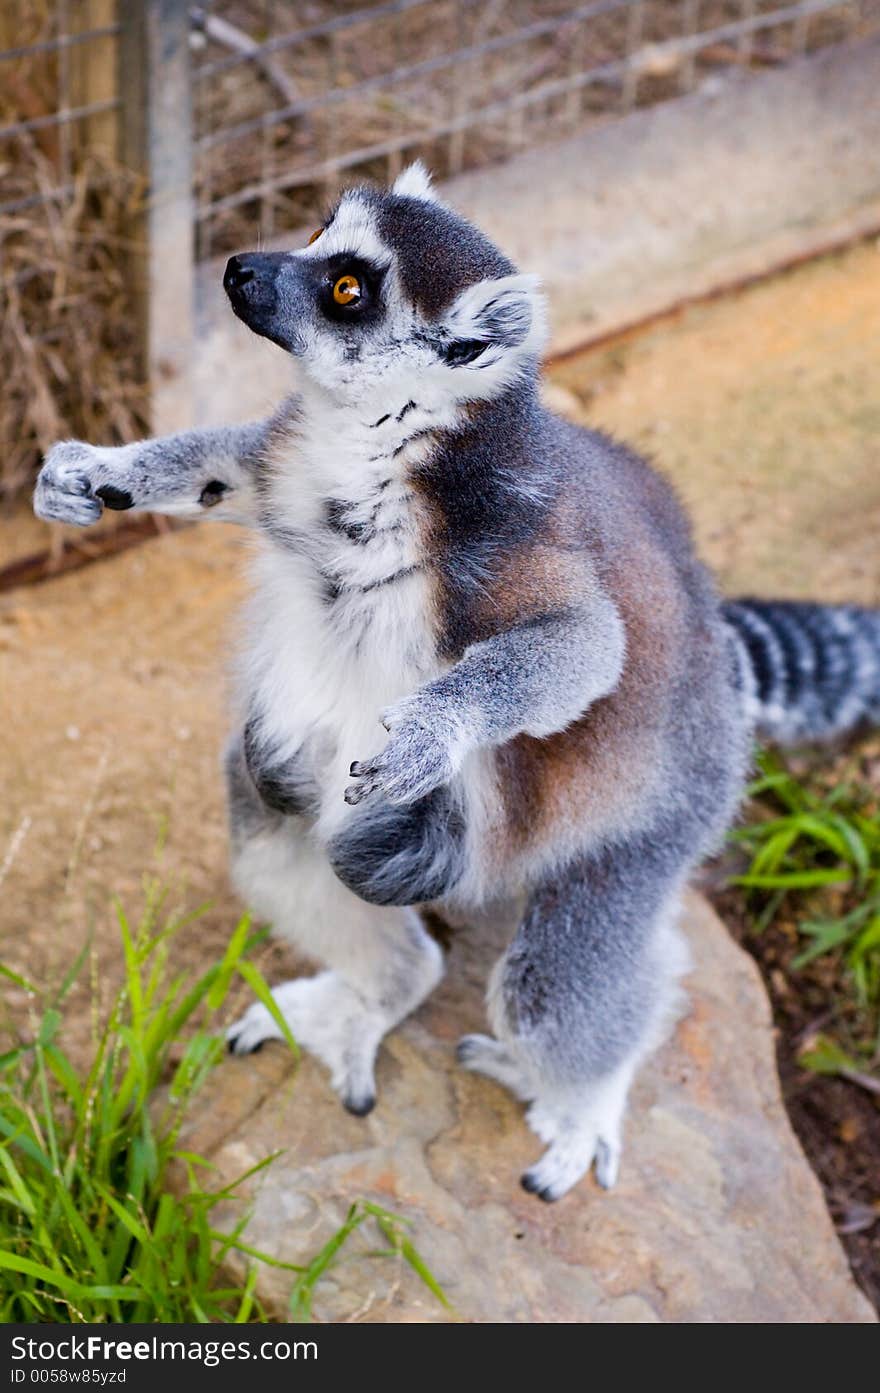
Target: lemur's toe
[(78, 483), (359, 1103), (366, 772), (476, 1051), (464, 1050), (534, 1187), (248, 1035), (607, 1164), (240, 1050)]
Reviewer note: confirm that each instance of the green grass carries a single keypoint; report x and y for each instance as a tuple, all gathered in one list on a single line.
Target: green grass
[(392, 1228), (815, 861), (91, 1228)]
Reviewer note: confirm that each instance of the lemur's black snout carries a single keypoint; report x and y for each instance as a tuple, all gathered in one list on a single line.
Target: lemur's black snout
[(259, 286), (239, 270), (252, 274)]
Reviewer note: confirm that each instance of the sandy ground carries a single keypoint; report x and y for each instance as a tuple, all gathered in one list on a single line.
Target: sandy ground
[(114, 718), (765, 409)]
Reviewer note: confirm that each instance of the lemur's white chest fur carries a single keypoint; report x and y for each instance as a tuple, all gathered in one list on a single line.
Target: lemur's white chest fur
[(339, 625)]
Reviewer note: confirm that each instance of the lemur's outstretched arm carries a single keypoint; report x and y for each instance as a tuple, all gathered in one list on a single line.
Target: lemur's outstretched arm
[(198, 473), (534, 679)]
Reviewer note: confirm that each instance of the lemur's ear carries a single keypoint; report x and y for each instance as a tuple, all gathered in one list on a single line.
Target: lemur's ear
[(415, 182), (497, 314)]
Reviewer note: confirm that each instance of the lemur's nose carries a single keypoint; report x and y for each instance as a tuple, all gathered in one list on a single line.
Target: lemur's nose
[(239, 270)]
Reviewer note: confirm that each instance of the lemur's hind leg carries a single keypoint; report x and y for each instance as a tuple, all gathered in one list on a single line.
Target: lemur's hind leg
[(587, 988), (381, 962)]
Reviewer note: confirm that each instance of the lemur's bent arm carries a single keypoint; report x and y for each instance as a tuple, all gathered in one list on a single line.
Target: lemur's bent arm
[(195, 474), (536, 678), (533, 679)]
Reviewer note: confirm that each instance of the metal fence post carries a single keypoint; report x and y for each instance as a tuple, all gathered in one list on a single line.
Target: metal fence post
[(156, 142)]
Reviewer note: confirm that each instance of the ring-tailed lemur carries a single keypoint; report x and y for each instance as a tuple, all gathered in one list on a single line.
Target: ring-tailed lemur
[(567, 706)]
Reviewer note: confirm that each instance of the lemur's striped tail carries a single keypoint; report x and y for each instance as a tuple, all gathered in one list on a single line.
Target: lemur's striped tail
[(810, 672)]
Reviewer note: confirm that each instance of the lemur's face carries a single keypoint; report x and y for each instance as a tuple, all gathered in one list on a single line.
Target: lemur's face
[(394, 291)]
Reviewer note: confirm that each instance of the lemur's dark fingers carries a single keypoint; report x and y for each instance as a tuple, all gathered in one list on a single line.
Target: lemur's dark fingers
[(367, 772), (356, 793), (77, 483), (77, 508)]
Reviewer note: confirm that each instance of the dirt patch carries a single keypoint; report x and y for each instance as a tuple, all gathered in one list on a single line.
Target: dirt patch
[(764, 409), (114, 718)]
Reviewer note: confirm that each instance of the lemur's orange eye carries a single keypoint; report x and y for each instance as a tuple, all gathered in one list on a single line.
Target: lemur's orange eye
[(315, 235), (346, 290)]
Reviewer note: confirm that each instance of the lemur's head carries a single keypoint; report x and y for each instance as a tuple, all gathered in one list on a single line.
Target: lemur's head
[(395, 289)]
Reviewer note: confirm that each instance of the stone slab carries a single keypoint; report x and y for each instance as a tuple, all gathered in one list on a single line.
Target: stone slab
[(717, 1216)]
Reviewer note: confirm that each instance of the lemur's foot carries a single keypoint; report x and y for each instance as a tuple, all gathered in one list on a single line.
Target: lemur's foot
[(423, 753), (581, 1128), (65, 489), (580, 1133), (327, 1018)]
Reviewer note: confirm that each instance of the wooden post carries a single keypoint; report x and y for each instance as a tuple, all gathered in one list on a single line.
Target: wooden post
[(93, 77), (156, 141)]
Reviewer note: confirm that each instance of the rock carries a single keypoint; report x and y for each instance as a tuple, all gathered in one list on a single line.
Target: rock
[(717, 1216)]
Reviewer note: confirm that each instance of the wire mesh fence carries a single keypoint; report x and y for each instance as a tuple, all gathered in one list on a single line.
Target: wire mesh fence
[(356, 90), (59, 97), (240, 119), (290, 96)]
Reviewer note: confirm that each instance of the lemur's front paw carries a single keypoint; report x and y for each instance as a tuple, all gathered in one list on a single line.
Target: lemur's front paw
[(65, 490), (424, 752)]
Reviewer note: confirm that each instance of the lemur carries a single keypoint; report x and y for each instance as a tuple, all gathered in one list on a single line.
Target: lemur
[(481, 665)]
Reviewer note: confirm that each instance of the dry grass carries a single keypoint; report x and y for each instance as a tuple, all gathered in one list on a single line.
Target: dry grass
[(68, 346), (68, 349)]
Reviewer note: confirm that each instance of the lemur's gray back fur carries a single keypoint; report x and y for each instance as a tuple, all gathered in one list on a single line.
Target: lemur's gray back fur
[(569, 708)]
